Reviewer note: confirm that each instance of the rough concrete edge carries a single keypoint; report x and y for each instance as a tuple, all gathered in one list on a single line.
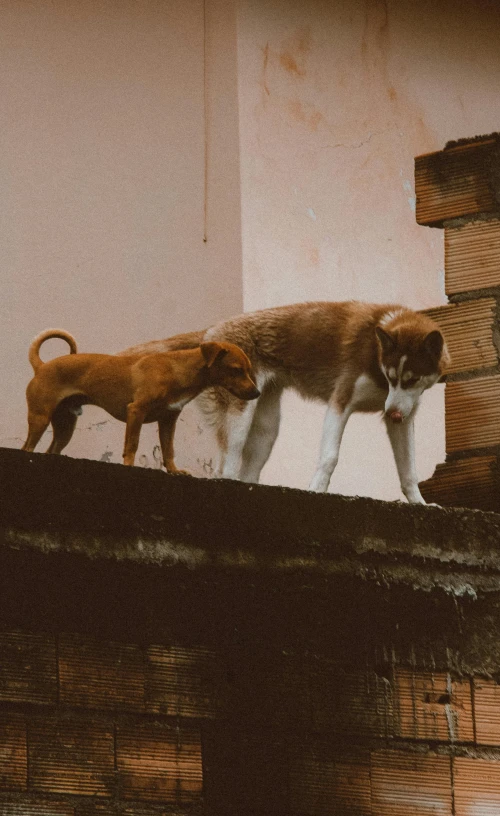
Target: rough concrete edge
[(369, 563)]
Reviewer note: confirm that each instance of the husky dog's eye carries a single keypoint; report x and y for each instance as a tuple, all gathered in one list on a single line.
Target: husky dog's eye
[(411, 382)]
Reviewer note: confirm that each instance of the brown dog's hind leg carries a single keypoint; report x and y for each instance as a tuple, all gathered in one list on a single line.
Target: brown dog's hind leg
[(135, 418), (166, 429), (63, 426), (37, 424)]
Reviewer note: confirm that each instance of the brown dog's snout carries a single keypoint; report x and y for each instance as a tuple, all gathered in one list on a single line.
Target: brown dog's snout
[(245, 392)]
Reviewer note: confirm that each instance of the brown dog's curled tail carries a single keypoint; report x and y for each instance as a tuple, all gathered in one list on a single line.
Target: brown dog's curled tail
[(34, 355)]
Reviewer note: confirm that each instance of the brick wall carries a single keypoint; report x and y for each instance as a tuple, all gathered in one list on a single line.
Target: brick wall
[(133, 733), (231, 649), (458, 189), (86, 720)]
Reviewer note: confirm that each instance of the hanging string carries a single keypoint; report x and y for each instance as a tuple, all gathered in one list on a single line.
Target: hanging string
[(205, 124)]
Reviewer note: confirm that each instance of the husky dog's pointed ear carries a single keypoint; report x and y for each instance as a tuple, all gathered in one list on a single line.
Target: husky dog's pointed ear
[(433, 344), (386, 340), (211, 351)]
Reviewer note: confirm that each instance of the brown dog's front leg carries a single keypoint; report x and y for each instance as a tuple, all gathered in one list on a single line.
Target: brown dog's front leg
[(166, 429), (135, 418)]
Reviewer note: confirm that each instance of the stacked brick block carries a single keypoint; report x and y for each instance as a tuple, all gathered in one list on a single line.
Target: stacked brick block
[(139, 733), (86, 724), (458, 190)]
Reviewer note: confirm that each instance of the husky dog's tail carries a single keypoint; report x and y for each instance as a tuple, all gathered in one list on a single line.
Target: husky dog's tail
[(34, 350)]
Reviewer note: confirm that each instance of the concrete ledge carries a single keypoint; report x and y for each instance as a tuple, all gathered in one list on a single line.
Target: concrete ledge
[(52, 504)]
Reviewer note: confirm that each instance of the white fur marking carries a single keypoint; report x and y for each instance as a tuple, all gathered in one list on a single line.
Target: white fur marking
[(262, 435), (178, 406), (402, 365), (405, 400), (390, 316), (366, 395), (238, 432), (402, 438), (333, 429)]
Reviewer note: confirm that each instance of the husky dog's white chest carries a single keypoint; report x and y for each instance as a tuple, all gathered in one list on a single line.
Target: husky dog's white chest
[(367, 395)]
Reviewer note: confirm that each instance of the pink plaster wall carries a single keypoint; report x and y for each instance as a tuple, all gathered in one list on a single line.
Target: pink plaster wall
[(105, 107), (312, 112), (336, 99)]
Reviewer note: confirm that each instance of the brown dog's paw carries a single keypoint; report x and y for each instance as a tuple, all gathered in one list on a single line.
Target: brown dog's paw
[(178, 472)]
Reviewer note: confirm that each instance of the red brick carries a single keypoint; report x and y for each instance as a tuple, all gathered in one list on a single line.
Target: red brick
[(28, 668), (323, 783), (404, 784), (13, 753), (433, 706), (159, 762), (476, 786), (100, 674), (71, 756), (468, 331), (467, 482), (472, 256), (350, 702), (456, 182), (180, 681), (472, 413), (487, 711)]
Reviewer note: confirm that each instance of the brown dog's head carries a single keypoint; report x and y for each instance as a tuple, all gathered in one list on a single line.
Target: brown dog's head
[(230, 367)]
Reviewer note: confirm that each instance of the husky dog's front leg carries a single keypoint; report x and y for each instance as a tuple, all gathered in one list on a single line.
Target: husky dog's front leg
[(239, 421), (333, 429), (402, 437)]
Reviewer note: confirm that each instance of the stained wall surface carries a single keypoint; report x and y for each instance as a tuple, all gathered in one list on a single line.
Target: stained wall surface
[(336, 100), (118, 155), (284, 132)]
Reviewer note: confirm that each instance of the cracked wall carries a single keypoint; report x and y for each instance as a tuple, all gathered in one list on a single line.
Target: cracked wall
[(120, 158), (336, 99), (312, 114)]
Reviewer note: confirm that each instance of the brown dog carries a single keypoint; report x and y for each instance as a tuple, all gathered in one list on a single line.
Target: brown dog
[(132, 388)]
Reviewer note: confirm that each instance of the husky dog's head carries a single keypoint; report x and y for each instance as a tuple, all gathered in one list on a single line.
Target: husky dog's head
[(412, 357)]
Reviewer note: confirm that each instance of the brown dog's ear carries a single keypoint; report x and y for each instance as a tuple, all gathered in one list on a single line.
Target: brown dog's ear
[(211, 351), (433, 344), (386, 340)]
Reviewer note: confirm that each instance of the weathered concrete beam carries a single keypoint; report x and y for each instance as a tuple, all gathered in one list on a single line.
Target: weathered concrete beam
[(51, 504), (133, 554)]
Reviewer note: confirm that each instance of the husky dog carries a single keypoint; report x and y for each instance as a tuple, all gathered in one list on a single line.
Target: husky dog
[(352, 356)]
